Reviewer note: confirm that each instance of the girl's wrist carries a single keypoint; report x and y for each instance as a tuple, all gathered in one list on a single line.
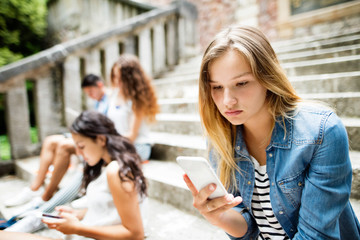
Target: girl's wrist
[(78, 228)]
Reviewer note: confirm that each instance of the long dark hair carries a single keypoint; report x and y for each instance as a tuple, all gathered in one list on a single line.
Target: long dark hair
[(92, 124)]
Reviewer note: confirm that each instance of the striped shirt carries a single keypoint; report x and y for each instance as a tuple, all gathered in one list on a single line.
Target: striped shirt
[(262, 210)]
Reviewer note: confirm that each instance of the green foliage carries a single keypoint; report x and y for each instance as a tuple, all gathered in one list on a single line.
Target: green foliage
[(34, 135), (4, 148), (22, 28), (5, 151)]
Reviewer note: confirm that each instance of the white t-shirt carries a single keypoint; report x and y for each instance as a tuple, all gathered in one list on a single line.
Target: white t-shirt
[(121, 115), (101, 210)]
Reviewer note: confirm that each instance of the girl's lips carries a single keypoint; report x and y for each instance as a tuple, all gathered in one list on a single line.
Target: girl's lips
[(233, 113)]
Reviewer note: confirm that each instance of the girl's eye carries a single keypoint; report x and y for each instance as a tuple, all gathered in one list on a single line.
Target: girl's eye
[(216, 87), (240, 84), (81, 147)]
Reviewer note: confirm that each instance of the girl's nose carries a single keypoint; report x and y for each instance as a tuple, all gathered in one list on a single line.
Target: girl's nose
[(229, 98)]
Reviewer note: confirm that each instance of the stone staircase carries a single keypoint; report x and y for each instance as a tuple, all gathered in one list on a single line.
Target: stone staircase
[(324, 67)]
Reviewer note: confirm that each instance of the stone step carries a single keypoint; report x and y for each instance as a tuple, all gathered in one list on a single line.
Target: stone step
[(178, 124), (167, 146), (179, 105), (346, 104), (353, 130), (323, 66), (182, 86), (320, 53), (321, 44), (184, 71), (327, 83), (165, 221), (318, 37)]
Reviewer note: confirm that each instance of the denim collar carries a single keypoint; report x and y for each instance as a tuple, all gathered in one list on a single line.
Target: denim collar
[(281, 137)]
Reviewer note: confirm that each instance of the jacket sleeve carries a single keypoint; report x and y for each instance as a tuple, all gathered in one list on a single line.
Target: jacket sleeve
[(253, 230), (327, 184)]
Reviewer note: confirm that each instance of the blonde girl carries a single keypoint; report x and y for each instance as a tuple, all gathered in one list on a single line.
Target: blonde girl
[(285, 163)]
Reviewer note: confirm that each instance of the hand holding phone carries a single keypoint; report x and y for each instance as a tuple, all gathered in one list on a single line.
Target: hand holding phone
[(201, 174)]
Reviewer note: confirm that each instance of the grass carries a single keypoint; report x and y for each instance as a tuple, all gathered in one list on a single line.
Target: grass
[(5, 153)]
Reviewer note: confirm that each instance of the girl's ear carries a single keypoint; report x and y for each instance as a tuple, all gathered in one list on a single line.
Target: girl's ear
[(101, 139)]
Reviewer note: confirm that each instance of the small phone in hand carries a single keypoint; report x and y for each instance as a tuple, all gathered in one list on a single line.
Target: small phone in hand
[(50, 217), (201, 174)]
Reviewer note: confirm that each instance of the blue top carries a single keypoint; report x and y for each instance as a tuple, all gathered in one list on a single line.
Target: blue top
[(310, 177), (102, 105)]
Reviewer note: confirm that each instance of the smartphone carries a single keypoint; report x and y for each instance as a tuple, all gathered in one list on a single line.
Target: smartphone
[(50, 217), (201, 174)]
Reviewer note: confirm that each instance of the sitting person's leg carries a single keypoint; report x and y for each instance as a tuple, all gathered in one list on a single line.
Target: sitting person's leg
[(31, 222), (47, 156), (61, 163)]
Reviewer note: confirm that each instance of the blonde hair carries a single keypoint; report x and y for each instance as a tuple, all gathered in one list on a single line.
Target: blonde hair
[(281, 97)]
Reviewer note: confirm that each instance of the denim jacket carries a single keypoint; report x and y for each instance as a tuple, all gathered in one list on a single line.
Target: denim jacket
[(310, 175)]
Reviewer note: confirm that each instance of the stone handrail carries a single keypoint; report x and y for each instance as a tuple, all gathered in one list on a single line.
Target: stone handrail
[(160, 37)]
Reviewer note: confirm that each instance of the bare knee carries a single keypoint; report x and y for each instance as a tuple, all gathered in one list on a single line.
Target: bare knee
[(66, 147), (51, 142)]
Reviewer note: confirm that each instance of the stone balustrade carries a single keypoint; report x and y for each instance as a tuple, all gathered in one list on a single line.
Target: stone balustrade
[(161, 38)]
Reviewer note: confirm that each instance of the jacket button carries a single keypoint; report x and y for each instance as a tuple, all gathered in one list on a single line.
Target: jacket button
[(238, 148), (281, 212), (249, 182), (300, 184), (270, 154)]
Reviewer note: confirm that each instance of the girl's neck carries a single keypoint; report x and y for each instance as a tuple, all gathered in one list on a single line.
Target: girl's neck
[(259, 131), (106, 157)]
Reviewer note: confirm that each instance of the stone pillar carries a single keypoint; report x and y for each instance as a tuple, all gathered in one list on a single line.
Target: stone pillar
[(119, 13), (126, 11), (18, 120), (111, 56), (190, 28), (130, 45), (134, 12), (47, 115), (183, 36), (171, 40), (93, 62), (72, 89), (159, 55), (145, 51)]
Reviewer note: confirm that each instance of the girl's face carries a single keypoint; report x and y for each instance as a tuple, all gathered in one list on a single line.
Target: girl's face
[(92, 150), (117, 77), (236, 92)]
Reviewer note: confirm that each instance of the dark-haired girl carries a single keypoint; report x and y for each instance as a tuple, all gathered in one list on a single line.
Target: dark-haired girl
[(114, 182)]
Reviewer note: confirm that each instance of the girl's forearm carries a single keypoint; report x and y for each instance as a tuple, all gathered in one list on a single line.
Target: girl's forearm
[(118, 232), (233, 223)]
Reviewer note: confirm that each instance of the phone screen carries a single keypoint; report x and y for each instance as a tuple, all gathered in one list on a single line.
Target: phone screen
[(48, 215), (201, 174)]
